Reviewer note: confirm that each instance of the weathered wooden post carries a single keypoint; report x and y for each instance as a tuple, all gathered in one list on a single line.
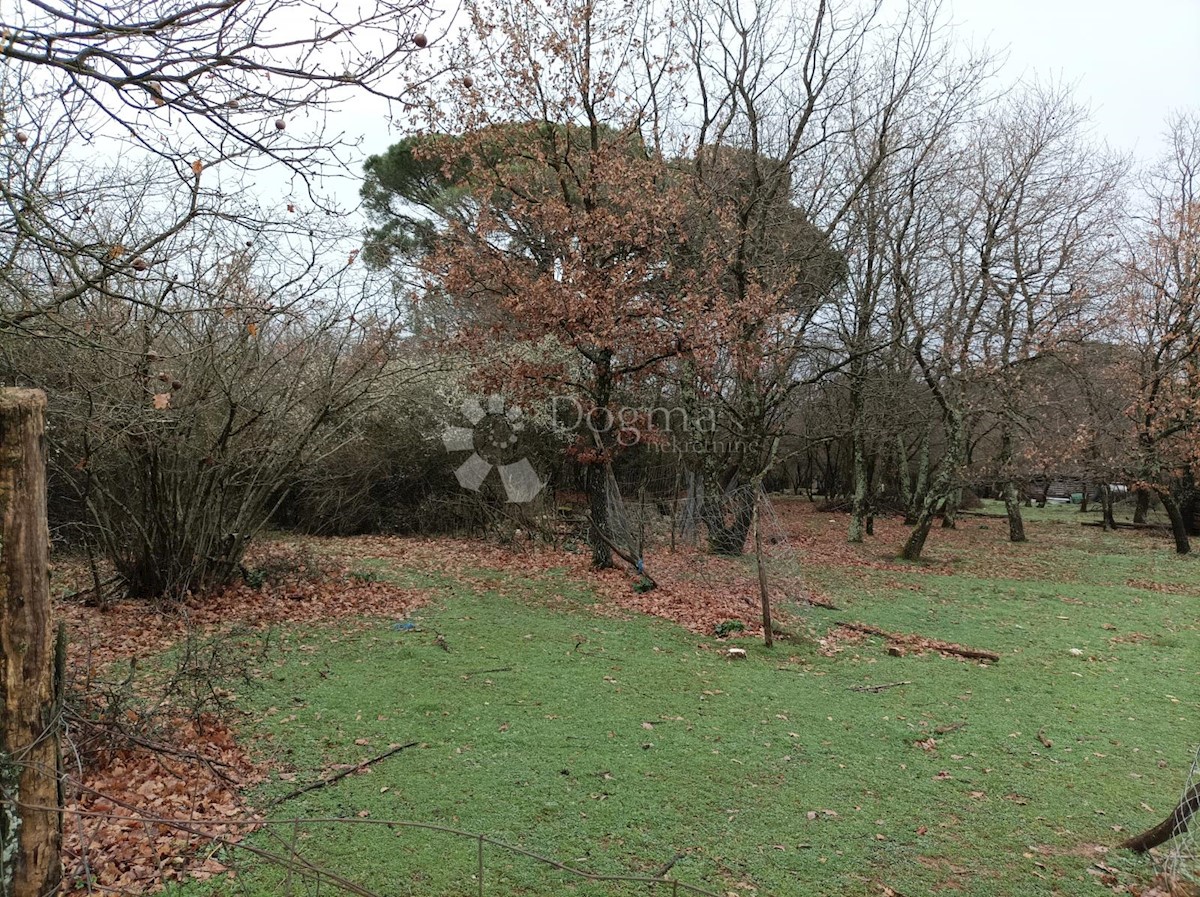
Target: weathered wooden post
[(763, 593), (30, 818)]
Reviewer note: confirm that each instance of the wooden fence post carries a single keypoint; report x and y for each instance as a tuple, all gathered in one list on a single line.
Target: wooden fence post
[(30, 814), (764, 594)]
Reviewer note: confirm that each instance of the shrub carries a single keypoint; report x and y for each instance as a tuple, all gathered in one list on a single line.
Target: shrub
[(176, 426)]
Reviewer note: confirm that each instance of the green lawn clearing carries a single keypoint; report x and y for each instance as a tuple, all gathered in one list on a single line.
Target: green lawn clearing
[(624, 744)]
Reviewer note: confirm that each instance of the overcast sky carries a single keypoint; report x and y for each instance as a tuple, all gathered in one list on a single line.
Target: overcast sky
[(1133, 61)]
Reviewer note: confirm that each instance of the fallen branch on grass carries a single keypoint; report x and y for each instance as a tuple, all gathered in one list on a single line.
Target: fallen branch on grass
[(106, 585), (815, 601), (341, 774), (1175, 824), (920, 642), (879, 688), (1122, 524)]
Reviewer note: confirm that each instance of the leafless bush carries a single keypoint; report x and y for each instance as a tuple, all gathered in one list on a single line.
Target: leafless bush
[(183, 409)]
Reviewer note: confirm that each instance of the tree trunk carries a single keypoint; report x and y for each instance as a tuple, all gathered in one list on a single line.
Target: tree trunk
[(597, 489), (1012, 506), (1142, 508), (939, 490), (920, 488), (921, 526), (924, 518), (30, 821), (1178, 525), (904, 475), (828, 475), (1009, 491), (950, 510), (858, 504), (728, 537), (1106, 500), (1083, 501)]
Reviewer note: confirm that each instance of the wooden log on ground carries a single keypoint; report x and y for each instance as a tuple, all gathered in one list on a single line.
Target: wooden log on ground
[(1175, 824), (920, 641), (30, 818)]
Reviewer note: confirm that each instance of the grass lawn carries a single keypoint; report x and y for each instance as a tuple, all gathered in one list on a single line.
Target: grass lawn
[(620, 743)]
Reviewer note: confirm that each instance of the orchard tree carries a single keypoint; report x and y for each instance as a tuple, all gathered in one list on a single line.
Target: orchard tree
[(550, 222), (1043, 228), (901, 158), (812, 102), (1003, 264), (1156, 314), (737, 379)]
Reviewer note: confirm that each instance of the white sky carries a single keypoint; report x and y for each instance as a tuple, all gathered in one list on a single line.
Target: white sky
[(1132, 61)]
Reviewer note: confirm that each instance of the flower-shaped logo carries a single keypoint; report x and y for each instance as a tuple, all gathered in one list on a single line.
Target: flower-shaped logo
[(492, 441)]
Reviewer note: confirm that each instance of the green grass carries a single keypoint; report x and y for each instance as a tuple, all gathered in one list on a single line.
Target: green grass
[(617, 743)]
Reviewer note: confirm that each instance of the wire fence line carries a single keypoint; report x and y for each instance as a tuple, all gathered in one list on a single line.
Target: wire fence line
[(292, 861)]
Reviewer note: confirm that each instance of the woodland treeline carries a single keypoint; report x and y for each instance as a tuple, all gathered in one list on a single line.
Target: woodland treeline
[(825, 246)]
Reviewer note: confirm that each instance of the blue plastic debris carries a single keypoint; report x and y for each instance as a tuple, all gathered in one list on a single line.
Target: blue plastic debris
[(404, 626)]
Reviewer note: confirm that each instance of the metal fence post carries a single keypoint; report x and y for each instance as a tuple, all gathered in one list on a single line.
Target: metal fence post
[(479, 872)]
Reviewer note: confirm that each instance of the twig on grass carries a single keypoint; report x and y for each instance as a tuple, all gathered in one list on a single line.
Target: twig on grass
[(341, 774), (879, 688), (662, 872)]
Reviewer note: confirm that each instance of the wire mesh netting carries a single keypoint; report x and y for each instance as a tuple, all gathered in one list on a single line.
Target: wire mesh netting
[(727, 542), (1182, 861)]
